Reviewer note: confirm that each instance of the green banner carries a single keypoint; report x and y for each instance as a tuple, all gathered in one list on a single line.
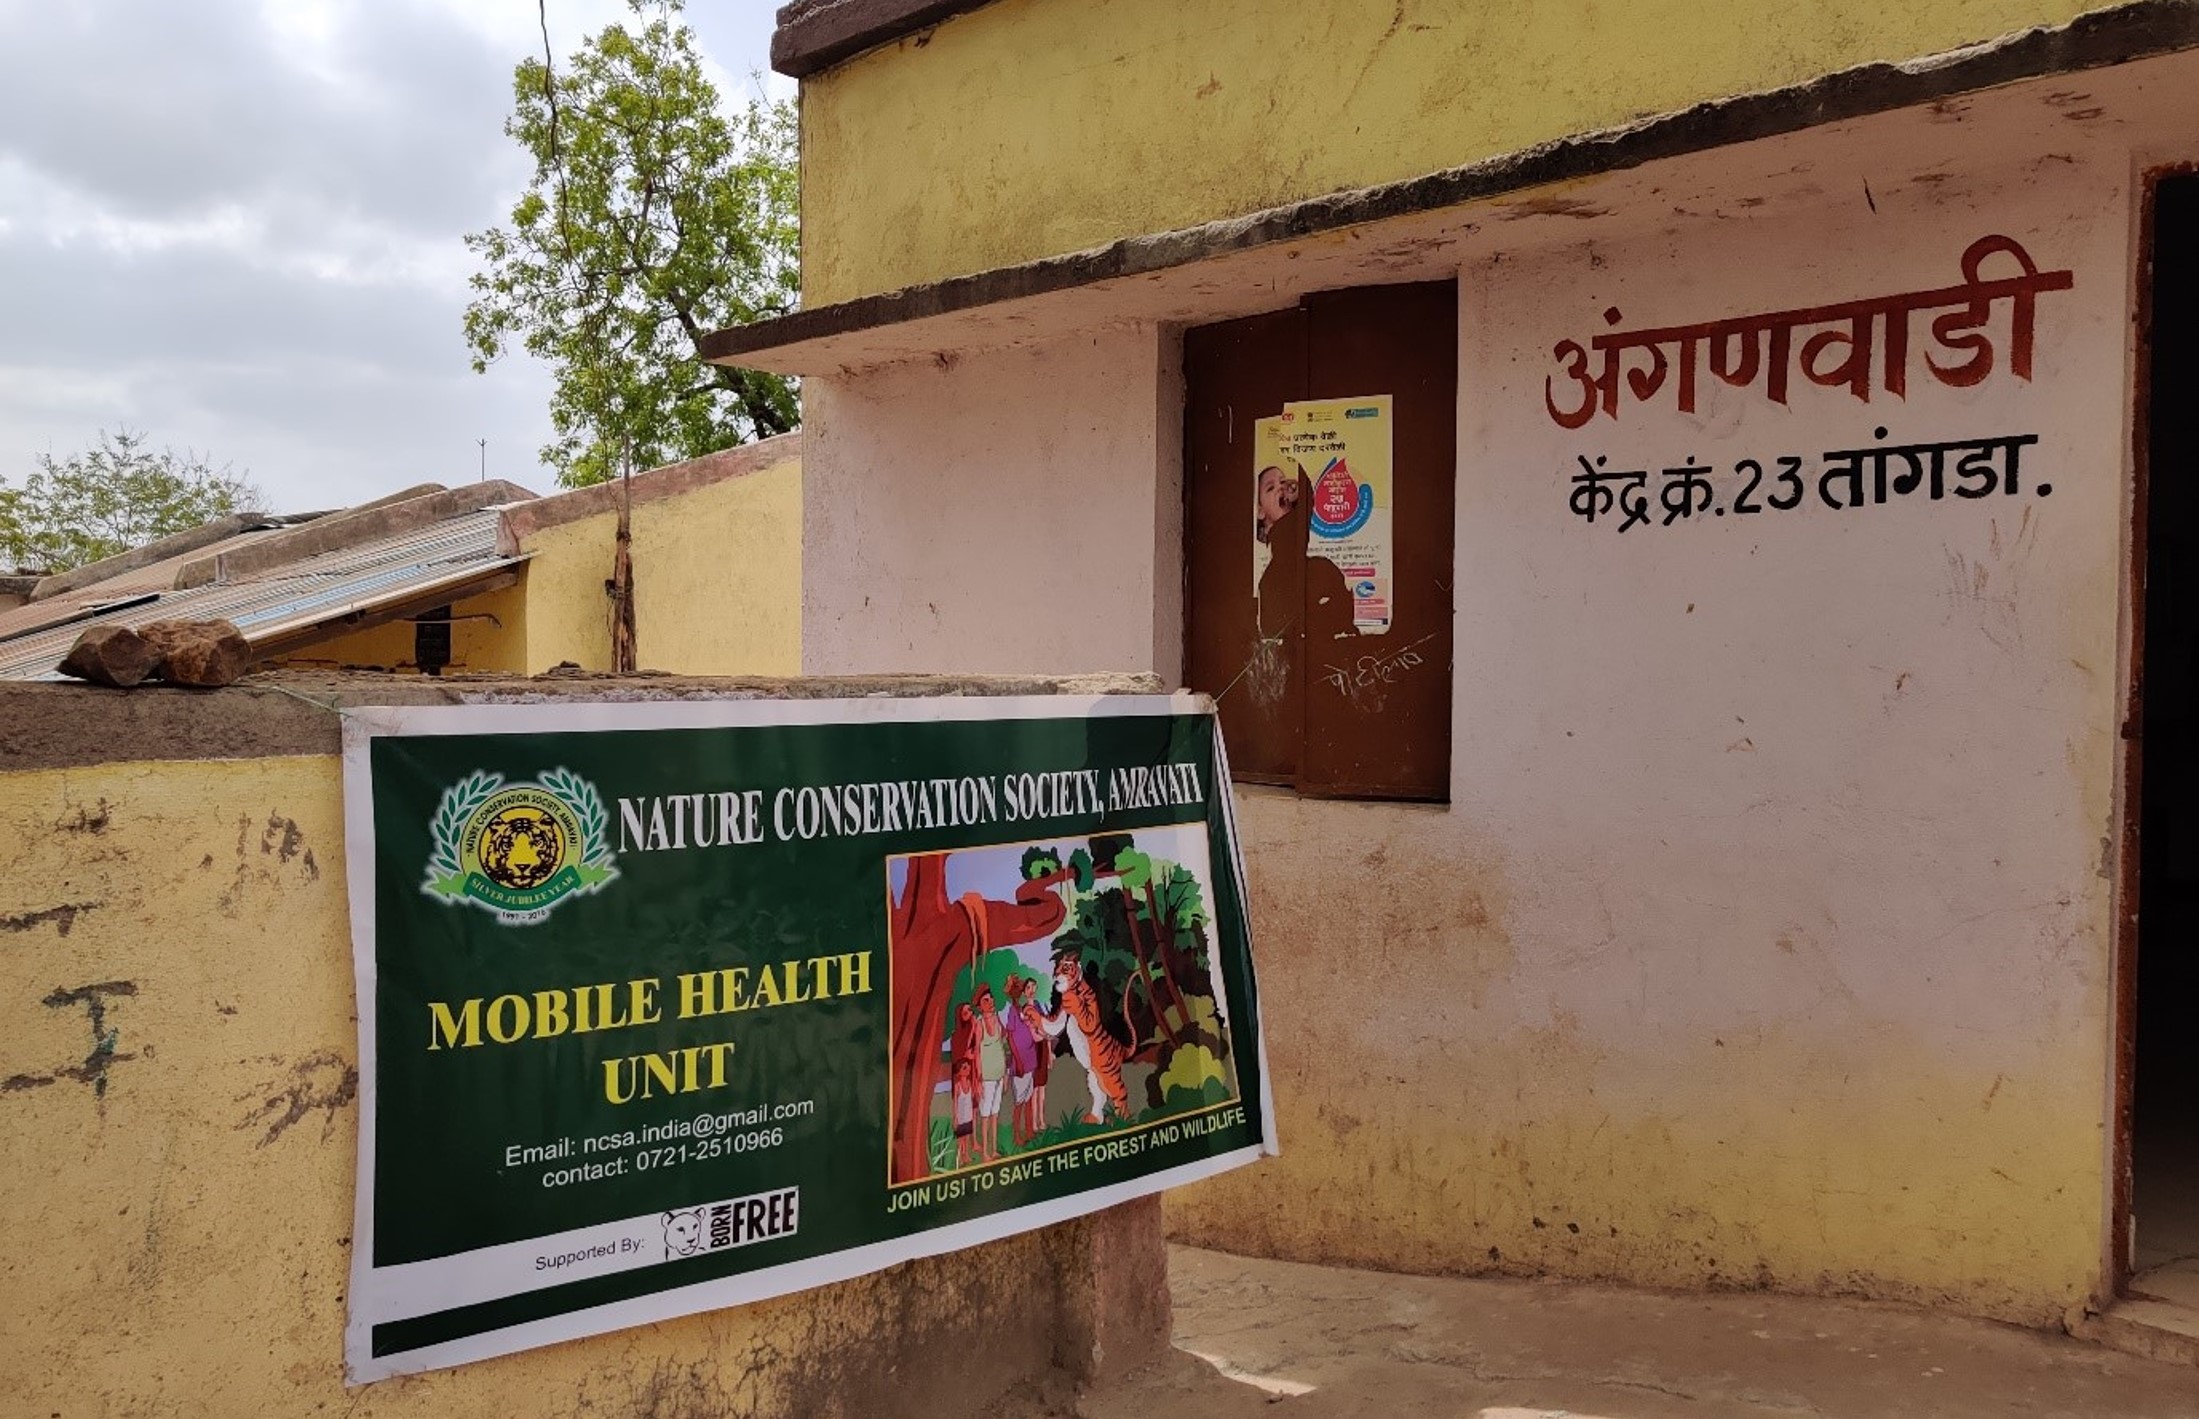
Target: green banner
[(672, 1006)]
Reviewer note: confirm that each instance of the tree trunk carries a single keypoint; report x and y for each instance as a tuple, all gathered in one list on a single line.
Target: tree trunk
[(625, 658), (1145, 978)]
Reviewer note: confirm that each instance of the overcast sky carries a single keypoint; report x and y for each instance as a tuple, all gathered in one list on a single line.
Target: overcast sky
[(235, 225)]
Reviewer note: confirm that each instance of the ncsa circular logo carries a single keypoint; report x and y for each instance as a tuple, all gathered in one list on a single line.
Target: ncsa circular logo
[(518, 850), (521, 837)]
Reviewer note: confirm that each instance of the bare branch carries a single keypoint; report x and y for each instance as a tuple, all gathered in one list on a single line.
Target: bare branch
[(557, 157)]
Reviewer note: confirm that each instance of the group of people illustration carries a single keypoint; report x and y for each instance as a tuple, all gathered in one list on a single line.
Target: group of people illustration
[(995, 1052)]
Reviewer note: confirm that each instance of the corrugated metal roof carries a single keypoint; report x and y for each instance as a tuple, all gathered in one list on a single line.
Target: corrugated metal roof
[(287, 599), (76, 605)]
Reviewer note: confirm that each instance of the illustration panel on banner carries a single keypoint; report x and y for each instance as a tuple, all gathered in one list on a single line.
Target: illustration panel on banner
[(1084, 998)]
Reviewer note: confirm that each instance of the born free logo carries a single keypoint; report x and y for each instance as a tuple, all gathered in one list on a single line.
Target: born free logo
[(517, 850)]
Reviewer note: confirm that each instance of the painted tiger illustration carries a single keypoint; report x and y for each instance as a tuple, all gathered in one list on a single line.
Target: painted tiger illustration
[(1076, 1013)]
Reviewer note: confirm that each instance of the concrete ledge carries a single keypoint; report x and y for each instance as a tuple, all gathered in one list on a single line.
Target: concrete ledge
[(1354, 1342), (2149, 1329), (53, 725), (817, 34)]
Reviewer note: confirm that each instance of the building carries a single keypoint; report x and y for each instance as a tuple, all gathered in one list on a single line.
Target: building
[(1695, 820), (483, 578)]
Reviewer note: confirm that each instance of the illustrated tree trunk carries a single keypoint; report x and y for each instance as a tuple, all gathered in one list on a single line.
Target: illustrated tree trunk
[(930, 936), (1165, 947), (1145, 978)]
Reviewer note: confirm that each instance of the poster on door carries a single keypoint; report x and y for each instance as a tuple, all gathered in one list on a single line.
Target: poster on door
[(1333, 454), (1277, 485), (665, 1007)]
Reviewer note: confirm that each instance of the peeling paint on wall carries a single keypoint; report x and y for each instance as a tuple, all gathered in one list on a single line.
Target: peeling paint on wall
[(322, 1081)]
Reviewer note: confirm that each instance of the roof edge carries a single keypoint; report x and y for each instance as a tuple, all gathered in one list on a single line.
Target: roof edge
[(348, 529), (2142, 29), (293, 636), (817, 34), (190, 540), (668, 481), (175, 544)]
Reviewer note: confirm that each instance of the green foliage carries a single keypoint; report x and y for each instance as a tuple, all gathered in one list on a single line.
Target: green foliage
[(1098, 936), (1192, 1068), (654, 217), (1135, 867), (1039, 861), (446, 876), (1106, 845), (1205, 1019), (1068, 1130), (1181, 1100), (1183, 910), (110, 498), (1183, 906)]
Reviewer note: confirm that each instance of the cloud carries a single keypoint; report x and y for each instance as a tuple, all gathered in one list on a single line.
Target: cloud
[(155, 109), (236, 225)]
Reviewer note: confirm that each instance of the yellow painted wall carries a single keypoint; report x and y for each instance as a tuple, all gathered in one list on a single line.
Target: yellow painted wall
[(488, 633), (176, 1208), (717, 581), (717, 591), (1035, 127)]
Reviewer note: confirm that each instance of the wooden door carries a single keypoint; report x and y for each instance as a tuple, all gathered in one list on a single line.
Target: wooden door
[(1307, 698)]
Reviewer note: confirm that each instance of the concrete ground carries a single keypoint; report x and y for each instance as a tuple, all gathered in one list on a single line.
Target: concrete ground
[(1284, 1341)]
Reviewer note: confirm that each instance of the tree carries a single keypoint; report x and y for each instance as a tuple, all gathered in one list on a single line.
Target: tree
[(654, 218), (110, 498)]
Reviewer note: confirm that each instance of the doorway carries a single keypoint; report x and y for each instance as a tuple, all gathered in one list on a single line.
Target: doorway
[(2163, 1239), (1321, 620)]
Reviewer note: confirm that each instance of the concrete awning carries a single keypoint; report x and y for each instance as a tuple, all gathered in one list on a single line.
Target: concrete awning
[(1881, 122)]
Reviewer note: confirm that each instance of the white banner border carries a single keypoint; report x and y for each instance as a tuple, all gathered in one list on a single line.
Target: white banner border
[(364, 724)]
